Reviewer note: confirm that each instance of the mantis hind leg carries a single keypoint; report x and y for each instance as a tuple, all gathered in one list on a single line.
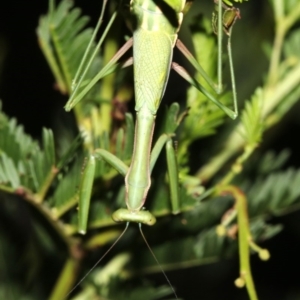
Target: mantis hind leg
[(223, 20)]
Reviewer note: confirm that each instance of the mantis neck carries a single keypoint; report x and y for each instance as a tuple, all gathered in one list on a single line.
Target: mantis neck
[(137, 180)]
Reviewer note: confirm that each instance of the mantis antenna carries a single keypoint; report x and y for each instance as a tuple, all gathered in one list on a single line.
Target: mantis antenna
[(99, 260), (152, 253), (112, 246)]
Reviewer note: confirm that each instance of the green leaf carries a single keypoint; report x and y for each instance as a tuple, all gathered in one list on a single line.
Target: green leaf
[(65, 195), (23, 163), (275, 193), (252, 119), (63, 40)]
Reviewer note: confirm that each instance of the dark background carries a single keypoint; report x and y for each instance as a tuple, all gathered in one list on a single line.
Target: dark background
[(27, 93)]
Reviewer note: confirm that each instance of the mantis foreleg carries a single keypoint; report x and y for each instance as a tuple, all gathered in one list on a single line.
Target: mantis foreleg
[(142, 216)]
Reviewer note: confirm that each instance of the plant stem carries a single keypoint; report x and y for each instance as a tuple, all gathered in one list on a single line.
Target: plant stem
[(244, 237)]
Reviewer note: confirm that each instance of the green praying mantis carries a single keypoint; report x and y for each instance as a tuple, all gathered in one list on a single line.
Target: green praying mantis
[(153, 41), (155, 34)]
